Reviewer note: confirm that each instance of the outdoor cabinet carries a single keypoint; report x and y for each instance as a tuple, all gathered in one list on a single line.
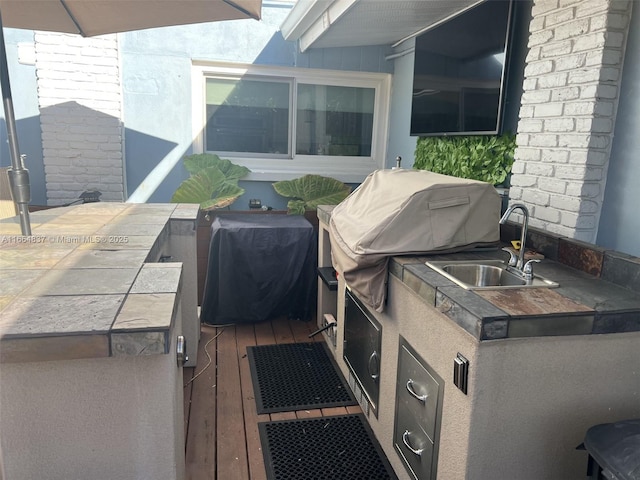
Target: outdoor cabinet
[(417, 414), (93, 360)]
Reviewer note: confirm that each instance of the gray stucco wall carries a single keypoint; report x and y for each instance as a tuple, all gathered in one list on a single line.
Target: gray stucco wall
[(400, 142), (156, 69), (25, 99), (620, 221), (515, 74)]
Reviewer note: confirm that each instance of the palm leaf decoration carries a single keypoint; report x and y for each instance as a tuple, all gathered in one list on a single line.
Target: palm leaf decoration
[(308, 192), (213, 182)]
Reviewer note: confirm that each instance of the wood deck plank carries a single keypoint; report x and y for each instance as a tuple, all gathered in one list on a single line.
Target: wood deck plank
[(245, 336), (201, 439), (329, 412), (231, 441), (301, 331), (222, 412), (283, 416), (264, 333), (308, 413), (200, 471), (187, 375), (282, 330)]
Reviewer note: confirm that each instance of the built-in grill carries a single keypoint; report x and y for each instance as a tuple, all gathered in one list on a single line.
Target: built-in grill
[(400, 212)]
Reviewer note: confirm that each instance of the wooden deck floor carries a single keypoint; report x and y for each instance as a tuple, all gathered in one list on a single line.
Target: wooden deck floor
[(221, 423)]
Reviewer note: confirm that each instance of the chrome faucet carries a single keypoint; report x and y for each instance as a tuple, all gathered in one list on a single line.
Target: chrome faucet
[(526, 270)]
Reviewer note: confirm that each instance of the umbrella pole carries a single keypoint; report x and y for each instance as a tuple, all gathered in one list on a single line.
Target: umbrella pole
[(18, 175)]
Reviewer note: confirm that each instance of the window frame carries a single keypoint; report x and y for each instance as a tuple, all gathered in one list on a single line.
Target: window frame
[(269, 167), (290, 116)]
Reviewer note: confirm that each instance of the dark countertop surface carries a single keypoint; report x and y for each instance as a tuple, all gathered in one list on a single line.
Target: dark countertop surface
[(581, 305)]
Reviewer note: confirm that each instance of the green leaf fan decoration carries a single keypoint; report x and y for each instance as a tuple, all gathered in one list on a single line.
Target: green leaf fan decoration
[(213, 182), (307, 192)]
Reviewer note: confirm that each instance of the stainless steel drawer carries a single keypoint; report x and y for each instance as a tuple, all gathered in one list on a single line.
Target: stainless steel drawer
[(419, 392), (414, 446)]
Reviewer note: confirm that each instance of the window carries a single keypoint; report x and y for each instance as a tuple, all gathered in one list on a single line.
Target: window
[(247, 116), (335, 121), (286, 122)]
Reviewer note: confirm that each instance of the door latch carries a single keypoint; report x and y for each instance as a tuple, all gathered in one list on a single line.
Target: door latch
[(181, 351)]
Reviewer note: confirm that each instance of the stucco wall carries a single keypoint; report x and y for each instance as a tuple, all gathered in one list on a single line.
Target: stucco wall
[(114, 418), (156, 69), (529, 402), (22, 78), (620, 222), (400, 143)]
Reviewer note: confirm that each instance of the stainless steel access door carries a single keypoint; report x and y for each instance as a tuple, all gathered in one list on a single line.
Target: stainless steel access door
[(362, 345)]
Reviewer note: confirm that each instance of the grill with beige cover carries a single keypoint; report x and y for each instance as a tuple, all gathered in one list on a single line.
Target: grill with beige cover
[(401, 212)]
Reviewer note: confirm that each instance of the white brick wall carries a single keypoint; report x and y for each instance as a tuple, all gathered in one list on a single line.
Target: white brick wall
[(570, 96), (80, 115)]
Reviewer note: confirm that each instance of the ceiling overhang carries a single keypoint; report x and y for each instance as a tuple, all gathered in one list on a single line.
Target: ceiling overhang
[(352, 23)]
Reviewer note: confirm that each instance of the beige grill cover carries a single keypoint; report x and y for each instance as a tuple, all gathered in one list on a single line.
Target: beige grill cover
[(399, 212)]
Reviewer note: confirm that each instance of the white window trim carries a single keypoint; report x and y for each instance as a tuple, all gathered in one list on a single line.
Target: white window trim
[(345, 169)]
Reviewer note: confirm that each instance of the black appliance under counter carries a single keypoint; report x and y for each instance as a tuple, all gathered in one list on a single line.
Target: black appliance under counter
[(260, 266)]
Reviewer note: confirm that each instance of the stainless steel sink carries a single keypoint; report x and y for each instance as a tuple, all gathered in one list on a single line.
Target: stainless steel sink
[(486, 275)]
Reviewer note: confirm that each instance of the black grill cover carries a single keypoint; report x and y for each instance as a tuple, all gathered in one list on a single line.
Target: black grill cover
[(260, 266)]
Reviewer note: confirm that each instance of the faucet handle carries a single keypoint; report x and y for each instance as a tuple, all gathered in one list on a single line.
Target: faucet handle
[(513, 257), (528, 268)]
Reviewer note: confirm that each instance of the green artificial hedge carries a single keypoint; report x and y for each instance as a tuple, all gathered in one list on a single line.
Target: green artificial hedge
[(485, 158)]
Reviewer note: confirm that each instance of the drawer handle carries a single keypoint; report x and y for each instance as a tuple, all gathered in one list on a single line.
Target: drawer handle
[(372, 357), (405, 440), (414, 394)]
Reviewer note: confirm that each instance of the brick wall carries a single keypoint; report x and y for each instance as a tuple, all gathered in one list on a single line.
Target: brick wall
[(569, 102), (80, 115)]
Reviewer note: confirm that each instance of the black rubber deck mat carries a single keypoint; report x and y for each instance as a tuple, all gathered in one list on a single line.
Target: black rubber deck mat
[(296, 376), (329, 448)]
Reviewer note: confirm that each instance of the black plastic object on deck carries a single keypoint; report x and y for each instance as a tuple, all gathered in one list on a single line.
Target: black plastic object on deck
[(615, 447)]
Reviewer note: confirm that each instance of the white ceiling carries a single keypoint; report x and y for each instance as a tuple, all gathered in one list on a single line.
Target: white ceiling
[(349, 23)]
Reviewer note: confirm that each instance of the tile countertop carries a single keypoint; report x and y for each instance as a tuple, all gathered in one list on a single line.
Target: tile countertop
[(581, 305), (81, 287), (591, 299)]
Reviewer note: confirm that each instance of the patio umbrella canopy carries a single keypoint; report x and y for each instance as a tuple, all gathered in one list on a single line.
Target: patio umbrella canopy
[(90, 18), (97, 17)]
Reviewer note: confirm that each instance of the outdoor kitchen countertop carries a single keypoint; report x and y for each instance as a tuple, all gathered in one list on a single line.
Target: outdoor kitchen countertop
[(583, 304), (85, 284)]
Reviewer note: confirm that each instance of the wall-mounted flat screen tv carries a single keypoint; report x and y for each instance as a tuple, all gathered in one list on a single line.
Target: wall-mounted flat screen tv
[(459, 73)]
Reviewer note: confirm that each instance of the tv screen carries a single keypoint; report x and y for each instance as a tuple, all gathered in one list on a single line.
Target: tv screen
[(459, 72)]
